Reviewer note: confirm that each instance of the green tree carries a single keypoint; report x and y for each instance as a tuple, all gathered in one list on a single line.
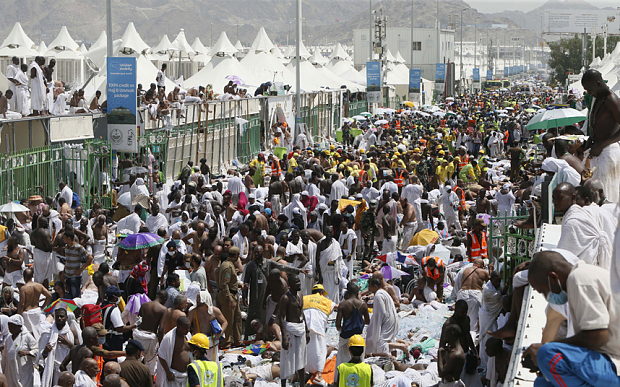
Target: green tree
[(566, 54)]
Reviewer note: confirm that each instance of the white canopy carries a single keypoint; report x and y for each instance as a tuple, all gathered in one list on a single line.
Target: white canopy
[(132, 42), (181, 46), (262, 43), (64, 47), (239, 46), (199, 47), (399, 58), (389, 56), (95, 57), (162, 50), (18, 44), (216, 71), (339, 53), (102, 40), (42, 49), (223, 46), (303, 51), (318, 58), (83, 49), (308, 71), (265, 67)]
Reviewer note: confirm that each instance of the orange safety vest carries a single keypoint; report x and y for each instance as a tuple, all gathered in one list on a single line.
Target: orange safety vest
[(462, 198), (464, 161), (434, 274), (397, 124), (478, 248), (275, 168), (398, 179), (506, 137), (363, 174)]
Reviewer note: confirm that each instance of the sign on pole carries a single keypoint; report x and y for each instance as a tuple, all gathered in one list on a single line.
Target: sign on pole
[(122, 127), (489, 74), (440, 76), (415, 80), (476, 75), (575, 20), (373, 81)]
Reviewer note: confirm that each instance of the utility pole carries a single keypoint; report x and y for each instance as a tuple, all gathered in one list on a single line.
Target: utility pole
[(605, 40), (438, 36), (461, 76), (110, 47), (593, 43), (475, 40), (297, 71), (411, 40), (370, 33)]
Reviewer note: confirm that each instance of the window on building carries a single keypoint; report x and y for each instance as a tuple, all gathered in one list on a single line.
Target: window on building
[(416, 46)]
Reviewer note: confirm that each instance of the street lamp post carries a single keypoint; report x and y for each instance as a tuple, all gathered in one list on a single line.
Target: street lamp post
[(297, 71), (475, 41), (110, 48), (461, 69)]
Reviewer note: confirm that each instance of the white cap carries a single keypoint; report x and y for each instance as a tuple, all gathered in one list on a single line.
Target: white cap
[(448, 188), (251, 196), (304, 193), (296, 211), (506, 186)]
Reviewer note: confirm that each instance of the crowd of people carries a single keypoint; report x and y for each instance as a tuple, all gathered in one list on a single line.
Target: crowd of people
[(239, 279)]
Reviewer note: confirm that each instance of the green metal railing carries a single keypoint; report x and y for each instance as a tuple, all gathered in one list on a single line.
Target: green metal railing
[(517, 244), (357, 107)]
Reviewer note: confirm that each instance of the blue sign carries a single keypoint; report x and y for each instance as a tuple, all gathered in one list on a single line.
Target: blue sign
[(440, 73), (122, 122), (489, 74), (476, 75), (415, 79), (505, 70), (373, 81)]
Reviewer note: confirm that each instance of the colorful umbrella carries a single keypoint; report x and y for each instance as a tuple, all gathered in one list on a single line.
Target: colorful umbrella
[(388, 273), (70, 304), (555, 118), (141, 241)]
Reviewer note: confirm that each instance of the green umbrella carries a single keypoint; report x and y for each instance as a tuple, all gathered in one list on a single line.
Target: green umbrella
[(366, 114), (450, 114), (555, 118)]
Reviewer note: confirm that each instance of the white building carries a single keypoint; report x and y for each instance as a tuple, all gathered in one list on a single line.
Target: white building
[(426, 49)]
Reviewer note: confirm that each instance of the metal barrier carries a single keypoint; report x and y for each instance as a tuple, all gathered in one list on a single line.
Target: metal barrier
[(517, 244)]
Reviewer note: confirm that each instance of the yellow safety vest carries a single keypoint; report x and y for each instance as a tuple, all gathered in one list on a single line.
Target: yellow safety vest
[(319, 302), (354, 375), (209, 373)]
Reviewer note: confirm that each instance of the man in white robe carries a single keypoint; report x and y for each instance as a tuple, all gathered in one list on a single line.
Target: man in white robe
[(54, 347), (317, 309), (131, 222), (85, 376), (384, 323), (491, 306), (20, 97), (37, 85), (156, 220), (347, 241), (11, 75), (166, 353), (338, 189), (308, 281), (19, 367), (330, 265), (581, 233)]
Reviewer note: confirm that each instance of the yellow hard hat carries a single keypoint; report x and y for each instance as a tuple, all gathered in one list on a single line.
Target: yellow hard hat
[(357, 341), (481, 151), (439, 147), (442, 152), (416, 150), (319, 287), (396, 153), (327, 152), (200, 340), (332, 147), (362, 151)]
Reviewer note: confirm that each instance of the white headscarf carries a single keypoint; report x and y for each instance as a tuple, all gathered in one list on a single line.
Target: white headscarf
[(16, 319), (205, 298)]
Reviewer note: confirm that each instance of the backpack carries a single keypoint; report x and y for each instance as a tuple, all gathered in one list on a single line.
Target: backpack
[(91, 314), (353, 326)]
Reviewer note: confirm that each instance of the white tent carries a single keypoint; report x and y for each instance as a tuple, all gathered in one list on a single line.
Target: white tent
[(181, 46), (96, 57), (102, 41), (261, 43), (223, 46), (132, 42), (303, 51), (42, 48), (318, 58), (345, 70), (339, 53), (239, 46), (319, 78), (399, 58), (202, 53), (267, 68), (216, 71), (18, 44), (162, 50), (64, 47)]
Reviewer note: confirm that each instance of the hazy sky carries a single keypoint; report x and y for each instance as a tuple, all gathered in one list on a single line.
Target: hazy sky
[(490, 6)]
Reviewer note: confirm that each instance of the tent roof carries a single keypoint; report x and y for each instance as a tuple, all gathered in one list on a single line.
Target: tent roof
[(132, 40), (223, 45), (83, 49), (17, 37), (181, 44), (317, 58), (199, 47), (42, 49), (63, 42), (163, 46), (389, 56), (399, 58), (339, 53), (102, 40), (216, 71), (98, 55), (265, 67), (239, 46), (262, 43), (303, 51)]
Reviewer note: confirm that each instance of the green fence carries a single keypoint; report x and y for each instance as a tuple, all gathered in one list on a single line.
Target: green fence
[(517, 244), (357, 107)]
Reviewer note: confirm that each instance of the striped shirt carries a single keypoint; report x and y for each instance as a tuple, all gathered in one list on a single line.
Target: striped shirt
[(74, 257)]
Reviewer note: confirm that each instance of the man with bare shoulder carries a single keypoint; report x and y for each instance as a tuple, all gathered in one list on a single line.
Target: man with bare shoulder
[(196, 238), (173, 355), (173, 314), (200, 319), (28, 307), (351, 318), (474, 278), (295, 334), (13, 261), (151, 330), (604, 132), (451, 357)]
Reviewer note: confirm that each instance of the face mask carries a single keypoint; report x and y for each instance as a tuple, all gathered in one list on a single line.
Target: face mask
[(177, 241), (117, 301), (556, 299), (191, 357), (101, 340)]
